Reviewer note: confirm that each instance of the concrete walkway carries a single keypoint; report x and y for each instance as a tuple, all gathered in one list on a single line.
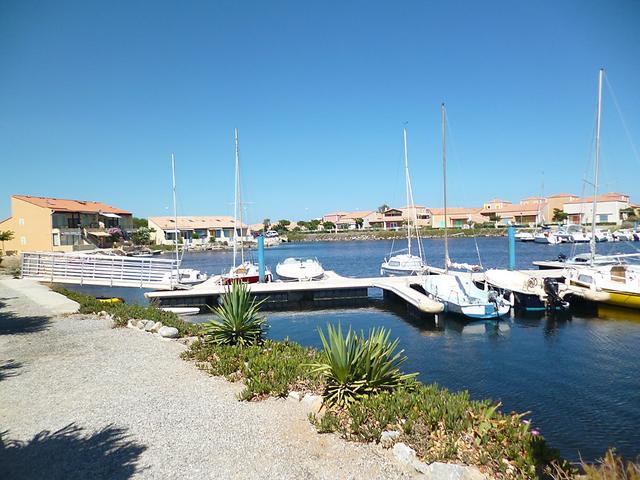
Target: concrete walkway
[(79, 399)]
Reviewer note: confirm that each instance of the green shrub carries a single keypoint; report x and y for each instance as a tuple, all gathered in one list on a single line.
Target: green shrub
[(241, 323), (122, 312), (273, 368), (355, 367)]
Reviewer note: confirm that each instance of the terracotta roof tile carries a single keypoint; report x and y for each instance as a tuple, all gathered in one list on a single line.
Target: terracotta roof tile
[(65, 205)]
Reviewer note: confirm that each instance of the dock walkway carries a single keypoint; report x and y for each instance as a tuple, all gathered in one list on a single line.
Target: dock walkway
[(332, 287)]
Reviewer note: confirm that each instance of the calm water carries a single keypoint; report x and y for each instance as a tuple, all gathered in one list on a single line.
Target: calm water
[(578, 375)]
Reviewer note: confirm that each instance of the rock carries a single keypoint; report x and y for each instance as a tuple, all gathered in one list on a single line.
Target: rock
[(388, 438), (131, 324), (314, 402), (404, 453), (148, 326), (168, 332), (294, 396), (141, 324), (188, 341), (156, 327), (448, 471)]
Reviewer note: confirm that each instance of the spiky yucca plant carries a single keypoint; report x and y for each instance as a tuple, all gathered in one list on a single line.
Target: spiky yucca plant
[(357, 366), (240, 320)]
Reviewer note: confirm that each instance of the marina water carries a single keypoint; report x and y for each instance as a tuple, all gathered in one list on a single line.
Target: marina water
[(578, 374)]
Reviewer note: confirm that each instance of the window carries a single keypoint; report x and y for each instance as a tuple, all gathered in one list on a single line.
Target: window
[(56, 239), (603, 218), (70, 239), (21, 221), (23, 240), (73, 220)]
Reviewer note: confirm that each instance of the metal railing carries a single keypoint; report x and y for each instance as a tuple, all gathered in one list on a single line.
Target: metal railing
[(113, 271)]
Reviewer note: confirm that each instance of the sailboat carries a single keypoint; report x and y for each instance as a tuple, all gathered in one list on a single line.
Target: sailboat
[(617, 284), (182, 276), (245, 271), (404, 264), (458, 292)]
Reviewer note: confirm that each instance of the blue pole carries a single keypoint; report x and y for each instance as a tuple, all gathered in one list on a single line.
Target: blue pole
[(635, 226), (261, 258), (512, 247)]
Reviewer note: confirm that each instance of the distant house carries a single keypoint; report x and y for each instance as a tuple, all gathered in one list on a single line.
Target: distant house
[(557, 201), (529, 211), (457, 217), (62, 225), (196, 230), (609, 209)]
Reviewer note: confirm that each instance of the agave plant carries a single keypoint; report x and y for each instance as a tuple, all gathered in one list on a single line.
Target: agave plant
[(355, 367), (240, 322)]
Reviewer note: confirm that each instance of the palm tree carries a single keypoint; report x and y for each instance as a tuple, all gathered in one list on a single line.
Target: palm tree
[(5, 237)]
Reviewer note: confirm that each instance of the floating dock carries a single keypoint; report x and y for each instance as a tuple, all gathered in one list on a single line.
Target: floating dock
[(333, 289)]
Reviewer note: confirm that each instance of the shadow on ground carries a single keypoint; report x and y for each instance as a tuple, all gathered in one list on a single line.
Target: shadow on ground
[(11, 323), (9, 368), (70, 454)]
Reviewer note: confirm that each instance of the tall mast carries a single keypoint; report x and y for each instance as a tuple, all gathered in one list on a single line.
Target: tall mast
[(175, 208), (235, 200), (406, 184), (592, 242), (444, 191)]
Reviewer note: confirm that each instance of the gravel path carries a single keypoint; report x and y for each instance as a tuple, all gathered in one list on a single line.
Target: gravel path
[(84, 400)]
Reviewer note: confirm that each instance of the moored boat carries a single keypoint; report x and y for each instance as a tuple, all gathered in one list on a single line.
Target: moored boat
[(183, 311), (399, 263), (299, 269)]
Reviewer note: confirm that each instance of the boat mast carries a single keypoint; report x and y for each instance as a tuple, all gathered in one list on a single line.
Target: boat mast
[(406, 184), (592, 242), (175, 208), (235, 201), (444, 190)]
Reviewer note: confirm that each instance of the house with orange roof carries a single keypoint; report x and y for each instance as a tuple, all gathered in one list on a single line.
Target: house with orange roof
[(63, 225), (609, 209), (457, 217), (197, 229)]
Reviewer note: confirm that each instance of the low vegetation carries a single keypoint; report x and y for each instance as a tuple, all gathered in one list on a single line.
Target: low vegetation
[(267, 369), (122, 312), (240, 322)]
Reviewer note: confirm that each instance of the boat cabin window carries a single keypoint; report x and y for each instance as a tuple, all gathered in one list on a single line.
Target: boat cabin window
[(585, 279)]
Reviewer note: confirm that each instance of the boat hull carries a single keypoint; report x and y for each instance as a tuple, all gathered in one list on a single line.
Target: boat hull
[(245, 279)]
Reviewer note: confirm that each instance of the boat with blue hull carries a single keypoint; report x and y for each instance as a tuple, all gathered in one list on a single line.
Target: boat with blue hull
[(461, 296)]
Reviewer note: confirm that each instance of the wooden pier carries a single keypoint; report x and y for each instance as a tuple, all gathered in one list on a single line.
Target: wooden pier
[(330, 290)]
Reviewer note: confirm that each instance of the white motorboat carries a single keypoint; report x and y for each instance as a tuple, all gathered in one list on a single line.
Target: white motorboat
[(625, 235), (611, 284), (530, 292), (183, 311), (186, 276), (604, 236), (403, 264), (525, 237), (546, 236), (578, 235), (457, 292), (460, 295), (299, 270)]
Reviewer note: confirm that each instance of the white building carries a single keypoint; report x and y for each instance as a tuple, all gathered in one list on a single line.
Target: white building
[(196, 230), (608, 210)]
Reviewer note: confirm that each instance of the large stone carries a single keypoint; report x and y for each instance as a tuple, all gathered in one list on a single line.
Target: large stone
[(313, 402), (156, 327), (294, 396), (448, 471), (168, 332), (148, 326), (404, 453), (388, 438)]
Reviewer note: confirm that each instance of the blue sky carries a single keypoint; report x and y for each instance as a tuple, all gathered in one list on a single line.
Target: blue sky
[(94, 97)]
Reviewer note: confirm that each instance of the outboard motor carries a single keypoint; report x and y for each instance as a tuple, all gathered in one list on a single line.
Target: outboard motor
[(554, 301)]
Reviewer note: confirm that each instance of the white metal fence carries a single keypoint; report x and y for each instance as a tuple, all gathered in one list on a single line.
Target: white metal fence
[(113, 271)]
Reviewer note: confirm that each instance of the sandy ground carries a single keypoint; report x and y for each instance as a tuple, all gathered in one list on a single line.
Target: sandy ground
[(79, 399)]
